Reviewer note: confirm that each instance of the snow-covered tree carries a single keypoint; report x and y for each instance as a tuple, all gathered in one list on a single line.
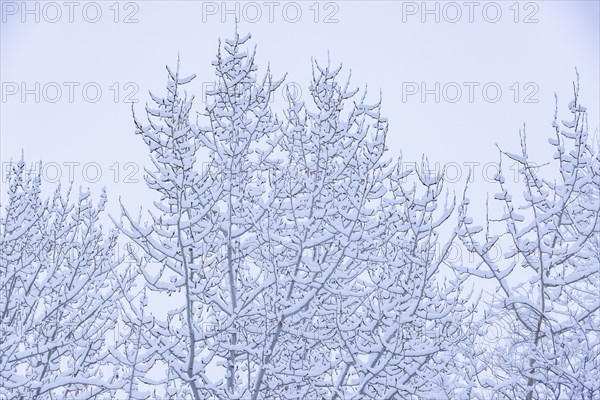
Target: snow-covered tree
[(323, 223), (168, 243), (58, 294), (204, 230), (547, 303), (409, 334), (286, 268), (352, 318)]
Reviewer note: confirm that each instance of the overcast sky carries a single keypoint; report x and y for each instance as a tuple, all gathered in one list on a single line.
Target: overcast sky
[(69, 71)]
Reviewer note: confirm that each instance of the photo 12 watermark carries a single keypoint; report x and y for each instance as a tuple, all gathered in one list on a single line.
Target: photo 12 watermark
[(471, 92), (253, 12), (452, 12), (287, 91), (77, 171), (69, 92), (467, 171), (53, 12)]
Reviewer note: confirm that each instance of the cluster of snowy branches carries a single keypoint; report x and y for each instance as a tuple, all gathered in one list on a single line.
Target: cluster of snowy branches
[(548, 296), (60, 293), (296, 261)]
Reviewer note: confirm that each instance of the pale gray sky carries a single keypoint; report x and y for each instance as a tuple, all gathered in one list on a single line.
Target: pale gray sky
[(56, 52)]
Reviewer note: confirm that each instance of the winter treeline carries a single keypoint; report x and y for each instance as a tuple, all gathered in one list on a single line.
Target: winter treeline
[(287, 257)]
